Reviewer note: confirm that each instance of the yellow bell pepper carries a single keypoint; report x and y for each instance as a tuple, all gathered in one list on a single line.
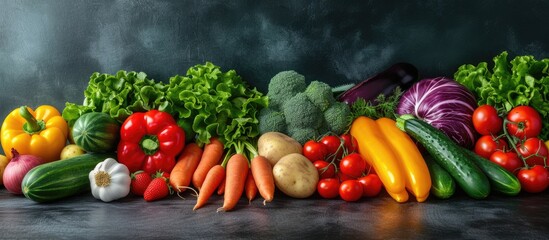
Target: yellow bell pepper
[(42, 132), (377, 151), (418, 179)]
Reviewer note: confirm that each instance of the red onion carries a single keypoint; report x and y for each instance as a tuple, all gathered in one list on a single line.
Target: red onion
[(16, 170)]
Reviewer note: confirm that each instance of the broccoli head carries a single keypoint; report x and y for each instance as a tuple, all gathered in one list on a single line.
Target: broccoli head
[(320, 94), (271, 121), (302, 135), (283, 86), (300, 112), (337, 117)]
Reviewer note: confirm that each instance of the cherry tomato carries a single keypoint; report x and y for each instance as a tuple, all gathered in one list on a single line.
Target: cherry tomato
[(486, 120), (350, 190), (349, 142), (486, 145), (343, 177), (328, 187), (507, 159), (325, 169), (352, 165), (333, 145), (525, 122), (314, 150), (534, 180), (371, 185), (534, 150)]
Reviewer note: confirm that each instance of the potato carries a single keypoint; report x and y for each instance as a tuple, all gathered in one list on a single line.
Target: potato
[(3, 163), (71, 150), (275, 145), (295, 176)]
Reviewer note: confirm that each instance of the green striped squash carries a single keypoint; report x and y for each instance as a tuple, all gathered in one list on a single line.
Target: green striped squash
[(63, 178), (96, 132)]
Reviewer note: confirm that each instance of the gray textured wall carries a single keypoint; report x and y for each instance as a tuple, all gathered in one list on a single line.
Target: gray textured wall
[(48, 49)]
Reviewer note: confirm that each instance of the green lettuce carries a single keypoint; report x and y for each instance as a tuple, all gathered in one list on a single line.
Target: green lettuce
[(522, 81)]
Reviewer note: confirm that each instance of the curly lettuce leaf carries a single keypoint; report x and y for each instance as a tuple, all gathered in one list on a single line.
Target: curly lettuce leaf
[(119, 95), (219, 104), (521, 81)]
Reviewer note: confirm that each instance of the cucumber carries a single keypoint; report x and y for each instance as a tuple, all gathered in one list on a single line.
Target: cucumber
[(502, 181), (443, 185), (449, 155), (96, 132), (63, 178)]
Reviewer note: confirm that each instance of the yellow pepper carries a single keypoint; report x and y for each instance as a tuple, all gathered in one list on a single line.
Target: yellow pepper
[(418, 179), (377, 151), (42, 132)]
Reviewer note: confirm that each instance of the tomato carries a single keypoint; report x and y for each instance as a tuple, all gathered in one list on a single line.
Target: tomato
[(352, 165), (328, 187), (534, 150), (343, 177), (534, 180), (325, 169), (525, 122), (486, 145), (349, 142), (371, 185), (314, 150), (508, 160), (333, 145), (486, 120), (350, 190)]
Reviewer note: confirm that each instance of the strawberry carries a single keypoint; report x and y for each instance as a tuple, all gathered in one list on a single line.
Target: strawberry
[(140, 181), (157, 189)]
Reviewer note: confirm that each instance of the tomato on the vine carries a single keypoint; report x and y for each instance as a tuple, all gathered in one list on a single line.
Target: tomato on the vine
[(350, 190), (524, 122), (349, 142), (534, 180), (534, 151), (352, 165), (486, 145), (328, 187), (332, 144), (371, 185), (314, 150), (507, 159), (325, 169), (486, 120)]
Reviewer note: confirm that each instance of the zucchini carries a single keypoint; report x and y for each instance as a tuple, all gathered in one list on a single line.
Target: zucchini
[(502, 181), (443, 185), (96, 132), (63, 178), (449, 155)]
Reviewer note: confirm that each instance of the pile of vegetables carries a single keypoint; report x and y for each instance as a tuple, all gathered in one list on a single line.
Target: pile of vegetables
[(211, 133)]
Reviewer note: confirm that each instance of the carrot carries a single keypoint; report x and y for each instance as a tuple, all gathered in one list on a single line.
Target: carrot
[(250, 188), (214, 177), (221, 188), (237, 171), (182, 172), (263, 176), (211, 156)]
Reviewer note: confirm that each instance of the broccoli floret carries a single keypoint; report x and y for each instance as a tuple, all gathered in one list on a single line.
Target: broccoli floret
[(300, 112), (302, 135), (320, 94), (271, 121), (337, 117), (283, 86)]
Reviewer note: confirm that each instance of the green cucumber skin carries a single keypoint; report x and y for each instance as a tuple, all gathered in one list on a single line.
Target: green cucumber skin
[(443, 185), (62, 178), (501, 180), (451, 157)]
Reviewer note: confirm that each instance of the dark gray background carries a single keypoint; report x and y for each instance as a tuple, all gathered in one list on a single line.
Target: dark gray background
[(49, 49)]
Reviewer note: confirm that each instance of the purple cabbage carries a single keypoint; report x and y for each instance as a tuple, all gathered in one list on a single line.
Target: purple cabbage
[(445, 104)]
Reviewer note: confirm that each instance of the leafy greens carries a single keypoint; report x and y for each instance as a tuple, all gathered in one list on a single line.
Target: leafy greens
[(522, 81)]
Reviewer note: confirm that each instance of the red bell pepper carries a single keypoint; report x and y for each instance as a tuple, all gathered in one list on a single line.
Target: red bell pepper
[(150, 141)]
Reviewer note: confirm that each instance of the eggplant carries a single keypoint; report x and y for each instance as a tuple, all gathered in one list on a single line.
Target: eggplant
[(402, 75)]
